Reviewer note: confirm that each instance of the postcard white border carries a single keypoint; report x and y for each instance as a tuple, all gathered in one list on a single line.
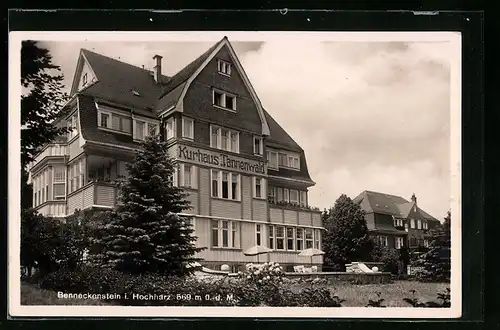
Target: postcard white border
[(17, 310)]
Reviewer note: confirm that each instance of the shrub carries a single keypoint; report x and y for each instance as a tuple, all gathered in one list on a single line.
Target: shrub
[(376, 303), (443, 300), (388, 256)]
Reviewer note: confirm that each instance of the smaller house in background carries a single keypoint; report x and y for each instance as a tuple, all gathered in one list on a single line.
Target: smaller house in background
[(395, 221)]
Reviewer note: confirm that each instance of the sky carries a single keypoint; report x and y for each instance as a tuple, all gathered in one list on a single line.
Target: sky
[(369, 115)]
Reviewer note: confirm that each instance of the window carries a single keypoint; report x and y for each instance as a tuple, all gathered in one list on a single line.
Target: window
[(59, 185), (257, 145), (294, 196), (398, 243), (224, 100), (406, 226), (317, 236), (286, 195), (412, 223), (258, 233), (300, 239), (425, 224), (280, 238), (121, 123), (85, 79), (271, 197), (224, 139), (382, 240), (139, 130), (152, 129), (104, 120), (76, 175), (225, 185), (309, 238), (271, 237), (170, 128), (289, 160), (303, 198), (426, 242), (225, 234), (259, 187), (419, 224), (73, 125), (187, 128), (59, 191), (398, 222), (224, 67), (290, 239), (187, 175), (272, 158)]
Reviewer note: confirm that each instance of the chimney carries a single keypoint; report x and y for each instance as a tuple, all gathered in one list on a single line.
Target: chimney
[(414, 198), (157, 68)]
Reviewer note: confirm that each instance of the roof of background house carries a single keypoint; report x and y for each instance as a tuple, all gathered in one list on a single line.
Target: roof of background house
[(376, 202)]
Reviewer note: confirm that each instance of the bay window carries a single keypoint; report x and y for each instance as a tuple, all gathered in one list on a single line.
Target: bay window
[(309, 238), (225, 234), (59, 182), (317, 237), (225, 185), (300, 239), (224, 139)]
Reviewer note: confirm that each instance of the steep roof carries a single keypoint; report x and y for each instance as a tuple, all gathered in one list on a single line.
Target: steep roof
[(376, 202), (117, 80), (279, 136)]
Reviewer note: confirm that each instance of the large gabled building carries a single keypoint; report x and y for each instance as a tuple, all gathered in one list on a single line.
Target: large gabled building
[(395, 221), (247, 178)]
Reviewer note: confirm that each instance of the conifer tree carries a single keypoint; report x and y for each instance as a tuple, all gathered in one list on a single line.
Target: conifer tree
[(346, 238), (436, 263), (144, 233)]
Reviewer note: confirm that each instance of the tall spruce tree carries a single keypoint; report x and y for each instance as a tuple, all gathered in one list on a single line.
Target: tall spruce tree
[(41, 103), (145, 233), (436, 262), (346, 238)]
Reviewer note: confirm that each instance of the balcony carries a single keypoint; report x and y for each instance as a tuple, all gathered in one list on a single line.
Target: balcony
[(93, 194), (291, 213)]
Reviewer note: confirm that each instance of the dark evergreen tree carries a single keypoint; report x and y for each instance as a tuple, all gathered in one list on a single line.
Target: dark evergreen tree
[(346, 238), (436, 262), (145, 233), (41, 104)]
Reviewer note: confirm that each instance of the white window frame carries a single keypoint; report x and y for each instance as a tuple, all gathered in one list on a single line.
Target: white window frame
[(172, 133), (187, 134), (262, 191), (73, 123), (84, 79), (425, 225), (289, 160), (412, 224), (303, 198), (233, 230), (258, 234), (137, 123), (217, 144), (224, 67), (419, 224), (193, 176), (108, 121), (306, 240), (317, 239), (398, 242), (287, 238), (301, 239), (383, 240), (271, 237), (259, 152), (224, 97), (294, 201), (286, 195), (281, 237), (217, 175), (269, 163)]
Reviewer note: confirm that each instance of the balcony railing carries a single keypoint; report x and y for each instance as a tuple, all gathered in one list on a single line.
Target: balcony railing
[(273, 201), (52, 150)]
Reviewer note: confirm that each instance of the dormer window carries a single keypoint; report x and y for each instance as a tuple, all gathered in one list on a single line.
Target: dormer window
[(104, 120), (224, 100), (224, 67)]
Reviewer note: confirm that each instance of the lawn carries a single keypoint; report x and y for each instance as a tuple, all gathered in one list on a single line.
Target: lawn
[(32, 295), (393, 294)]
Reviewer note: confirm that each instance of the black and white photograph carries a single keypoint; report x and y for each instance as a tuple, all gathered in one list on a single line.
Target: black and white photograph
[(203, 170)]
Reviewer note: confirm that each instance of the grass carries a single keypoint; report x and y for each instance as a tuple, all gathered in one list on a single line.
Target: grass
[(393, 294), (32, 295)]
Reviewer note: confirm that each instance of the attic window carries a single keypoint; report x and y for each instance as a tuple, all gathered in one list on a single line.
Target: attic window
[(224, 67), (136, 93), (84, 79)]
